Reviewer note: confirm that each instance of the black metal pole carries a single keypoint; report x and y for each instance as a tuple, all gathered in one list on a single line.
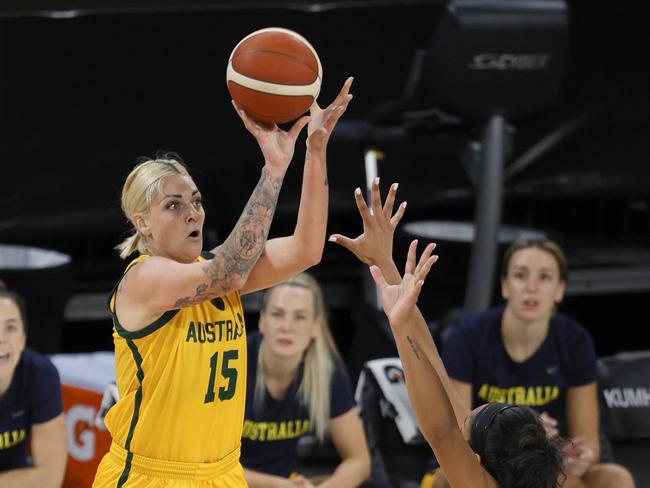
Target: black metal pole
[(487, 220)]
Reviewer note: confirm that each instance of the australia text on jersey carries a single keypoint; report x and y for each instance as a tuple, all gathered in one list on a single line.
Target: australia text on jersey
[(12, 437), (520, 395), (219, 330), (275, 431)]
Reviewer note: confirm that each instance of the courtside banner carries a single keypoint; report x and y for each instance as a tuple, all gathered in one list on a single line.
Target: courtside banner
[(624, 386)]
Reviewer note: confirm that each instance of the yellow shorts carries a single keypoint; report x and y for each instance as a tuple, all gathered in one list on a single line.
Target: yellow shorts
[(429, 478), (141, 472)]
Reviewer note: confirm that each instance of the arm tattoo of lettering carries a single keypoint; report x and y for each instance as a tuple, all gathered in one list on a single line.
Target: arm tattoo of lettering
[(245, 244), (413, 347)]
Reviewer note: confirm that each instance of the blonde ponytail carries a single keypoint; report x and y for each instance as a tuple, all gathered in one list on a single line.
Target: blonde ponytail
[(138, 190), (129, 245)]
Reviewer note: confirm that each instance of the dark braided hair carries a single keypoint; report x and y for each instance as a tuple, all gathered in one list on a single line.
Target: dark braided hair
[(519, 454)]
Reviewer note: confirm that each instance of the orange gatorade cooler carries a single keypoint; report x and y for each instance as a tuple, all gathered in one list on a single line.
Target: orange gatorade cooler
[(84, 378)]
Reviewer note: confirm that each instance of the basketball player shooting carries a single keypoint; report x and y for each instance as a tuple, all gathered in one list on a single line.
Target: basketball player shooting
[(166, 430)]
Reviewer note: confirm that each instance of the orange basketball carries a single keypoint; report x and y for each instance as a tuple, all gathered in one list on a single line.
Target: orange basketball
[(274, 75)]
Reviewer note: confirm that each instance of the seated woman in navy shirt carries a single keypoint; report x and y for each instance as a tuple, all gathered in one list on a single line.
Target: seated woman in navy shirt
[(297, 383), (526, 354), (31, 411)]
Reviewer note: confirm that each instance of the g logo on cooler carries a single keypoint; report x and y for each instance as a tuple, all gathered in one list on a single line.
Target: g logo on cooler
[(81, 437)]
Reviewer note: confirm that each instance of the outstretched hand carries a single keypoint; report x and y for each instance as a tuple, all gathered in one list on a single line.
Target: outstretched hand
[(399, 300), (323, 121), (375, 245), (276, 144)]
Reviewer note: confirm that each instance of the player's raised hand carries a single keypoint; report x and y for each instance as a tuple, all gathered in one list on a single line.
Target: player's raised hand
[(323, 121), (375, 244), (277, 145), (399, 300)]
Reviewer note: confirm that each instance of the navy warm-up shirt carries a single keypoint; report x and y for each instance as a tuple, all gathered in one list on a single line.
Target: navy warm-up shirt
[(474, 353), (33, 397), (271, 433)]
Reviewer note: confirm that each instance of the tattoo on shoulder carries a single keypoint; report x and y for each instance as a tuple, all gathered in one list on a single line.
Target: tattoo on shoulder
[(413, 347), (239, 253)]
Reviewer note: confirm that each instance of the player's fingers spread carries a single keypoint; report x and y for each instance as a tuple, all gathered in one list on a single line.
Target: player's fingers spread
[(390, 200), (344, 241), (410, 257), (331, 123), (338, 110), (346, 100), (395, 219), (428, 264), (341, 100), (345, 89), (375, 197), (333, 117), (424, 266), (425, 255), (363, 208)]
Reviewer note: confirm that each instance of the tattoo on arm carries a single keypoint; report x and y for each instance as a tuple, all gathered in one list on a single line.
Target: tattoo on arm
[(413, 347), (245, 244)]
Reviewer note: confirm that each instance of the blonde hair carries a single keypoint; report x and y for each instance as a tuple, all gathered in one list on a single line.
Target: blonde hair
[(138, 190), (319, 360)]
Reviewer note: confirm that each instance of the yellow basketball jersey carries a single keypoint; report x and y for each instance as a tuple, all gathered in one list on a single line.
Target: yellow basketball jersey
[(182, 382)]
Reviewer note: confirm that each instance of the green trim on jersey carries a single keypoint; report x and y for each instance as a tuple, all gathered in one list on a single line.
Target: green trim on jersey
[(207, 255), (156, 324), (145, 331), (136, 414)]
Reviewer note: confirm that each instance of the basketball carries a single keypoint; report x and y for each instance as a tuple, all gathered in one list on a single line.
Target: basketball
[(274, 75)]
